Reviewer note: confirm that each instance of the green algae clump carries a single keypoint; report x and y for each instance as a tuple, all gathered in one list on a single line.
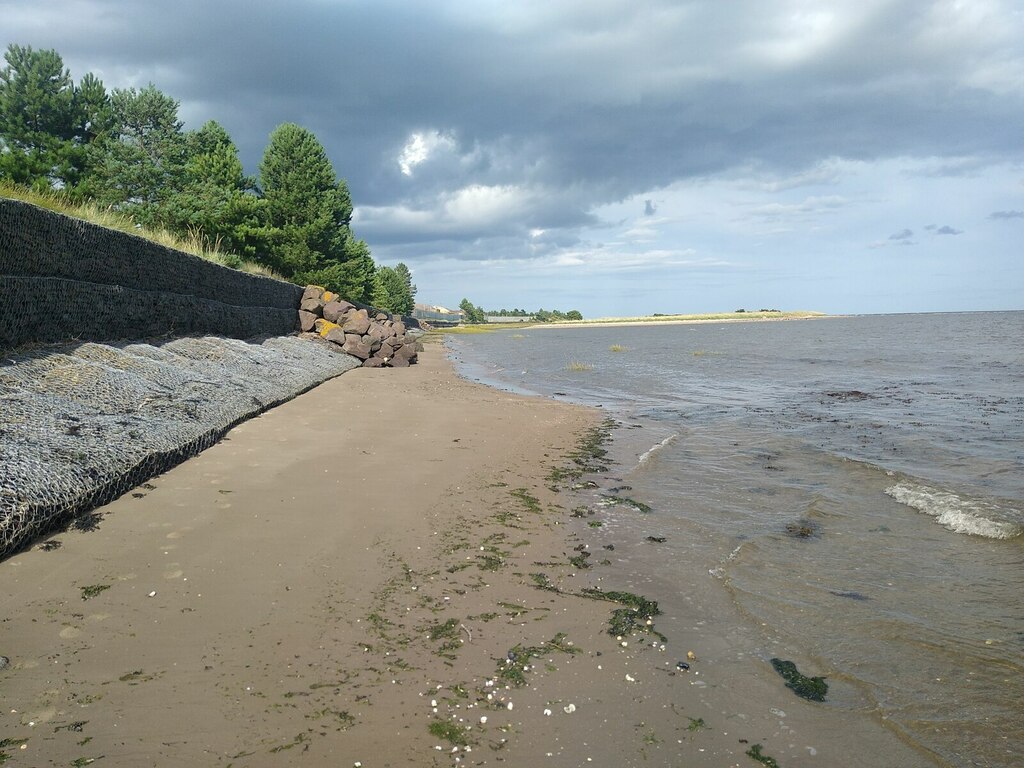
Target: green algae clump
[(810, 688)]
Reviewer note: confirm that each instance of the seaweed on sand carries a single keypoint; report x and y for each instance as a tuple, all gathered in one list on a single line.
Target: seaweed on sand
[(637, 615), (810, 688)]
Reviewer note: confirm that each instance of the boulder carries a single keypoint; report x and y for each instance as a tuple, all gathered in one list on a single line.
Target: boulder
[(323, 326), (358, 323), (398, 362), (381, 317), (313, 292), (406, 351), (333, 310), (373, 343), (315, 306), (355, 347), (307, 320), (399, 327), (336, 335), (373, 362), (376, 331)]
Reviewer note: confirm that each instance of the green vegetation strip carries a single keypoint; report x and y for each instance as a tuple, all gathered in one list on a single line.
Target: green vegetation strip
[(755, 753)]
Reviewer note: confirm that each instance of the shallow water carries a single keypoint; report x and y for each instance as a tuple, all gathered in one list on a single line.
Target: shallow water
[(854, 485)]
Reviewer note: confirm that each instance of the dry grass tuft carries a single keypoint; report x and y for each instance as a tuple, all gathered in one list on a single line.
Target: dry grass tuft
[(195, 242)]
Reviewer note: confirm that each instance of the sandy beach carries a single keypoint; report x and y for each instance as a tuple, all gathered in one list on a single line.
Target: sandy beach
[(352, 579)]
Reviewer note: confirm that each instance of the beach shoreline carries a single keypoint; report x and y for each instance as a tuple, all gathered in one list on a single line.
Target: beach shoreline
[(371, 574)]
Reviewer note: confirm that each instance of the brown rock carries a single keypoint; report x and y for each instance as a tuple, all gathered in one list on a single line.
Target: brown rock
[(313, 292), (406, 351), (374, 344), (316, 306), (355, 348), (307, 320), (333, 310), (399, 327), (376, 331), (373, 362), (398, 362), (358, 322), (381, 316), (336, 335), (323, 326)]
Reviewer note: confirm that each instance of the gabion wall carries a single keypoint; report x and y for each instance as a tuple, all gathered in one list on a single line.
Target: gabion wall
[(61, 278), (83, 422)]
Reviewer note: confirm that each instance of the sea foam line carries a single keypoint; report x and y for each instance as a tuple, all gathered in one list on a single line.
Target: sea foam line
[(977, 517), (651, 451)]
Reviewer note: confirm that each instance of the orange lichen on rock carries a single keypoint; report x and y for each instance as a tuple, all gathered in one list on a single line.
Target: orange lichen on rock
[(323, 327), (328, 296)]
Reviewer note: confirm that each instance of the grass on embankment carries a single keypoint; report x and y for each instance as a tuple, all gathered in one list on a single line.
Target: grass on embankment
[(196, 243)]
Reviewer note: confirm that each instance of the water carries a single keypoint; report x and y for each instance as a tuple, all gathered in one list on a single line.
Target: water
[(855, 486)]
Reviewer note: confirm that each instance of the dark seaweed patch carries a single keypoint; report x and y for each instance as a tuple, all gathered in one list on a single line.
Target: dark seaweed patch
[(810, 688)]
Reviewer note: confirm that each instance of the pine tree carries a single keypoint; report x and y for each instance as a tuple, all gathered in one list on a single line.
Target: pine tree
[(215, 199), (37, 118), (307, 212), (142, 162)]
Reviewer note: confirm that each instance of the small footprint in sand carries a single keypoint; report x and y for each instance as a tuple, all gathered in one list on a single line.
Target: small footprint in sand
[(173, 574), (97, 617), (69, 632)]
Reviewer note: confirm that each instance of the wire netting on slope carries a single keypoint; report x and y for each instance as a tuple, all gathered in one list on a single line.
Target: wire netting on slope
[(81, 424)]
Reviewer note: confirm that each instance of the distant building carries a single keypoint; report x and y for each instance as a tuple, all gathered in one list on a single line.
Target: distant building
[(437, 314)]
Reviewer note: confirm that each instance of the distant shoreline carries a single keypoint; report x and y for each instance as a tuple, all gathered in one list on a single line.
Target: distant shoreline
[(746, 317)]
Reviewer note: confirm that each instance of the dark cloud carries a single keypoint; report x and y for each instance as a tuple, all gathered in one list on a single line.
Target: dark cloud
[(904, 234), (533, 115), (947, 230), (1003, 215)]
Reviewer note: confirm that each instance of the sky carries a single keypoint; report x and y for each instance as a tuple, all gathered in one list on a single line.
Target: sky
[(620, 157)]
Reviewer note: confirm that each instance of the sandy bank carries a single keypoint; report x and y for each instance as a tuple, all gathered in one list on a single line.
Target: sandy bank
[(331, 579)]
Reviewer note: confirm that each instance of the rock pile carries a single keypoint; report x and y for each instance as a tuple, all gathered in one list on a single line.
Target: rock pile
[(375, 337)]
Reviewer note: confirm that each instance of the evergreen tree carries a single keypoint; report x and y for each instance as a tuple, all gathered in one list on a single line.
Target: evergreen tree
[(37, 118), (307, 212), (409, 294), (142, 162), (392, 289), (216, 197), (94, 122), (472, 313)]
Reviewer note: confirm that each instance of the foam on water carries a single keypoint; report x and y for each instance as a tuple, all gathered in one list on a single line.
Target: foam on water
[(657, 447), (960, 514)]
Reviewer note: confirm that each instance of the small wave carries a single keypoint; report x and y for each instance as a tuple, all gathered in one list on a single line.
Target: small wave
[(651, 451), (977, 517)]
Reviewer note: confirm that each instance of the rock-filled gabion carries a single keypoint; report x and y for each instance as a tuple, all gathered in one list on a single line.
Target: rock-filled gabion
[(81, 424), (374, 337), (63, 279)]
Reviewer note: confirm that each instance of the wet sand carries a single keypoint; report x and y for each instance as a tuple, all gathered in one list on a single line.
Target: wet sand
[(346, 570)]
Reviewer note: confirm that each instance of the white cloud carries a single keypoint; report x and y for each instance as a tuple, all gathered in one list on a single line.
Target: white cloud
[(421, 146)]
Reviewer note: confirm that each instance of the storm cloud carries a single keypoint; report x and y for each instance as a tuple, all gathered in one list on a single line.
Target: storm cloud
[(490, 131)]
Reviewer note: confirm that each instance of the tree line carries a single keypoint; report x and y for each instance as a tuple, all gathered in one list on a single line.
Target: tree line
[(474, 314), (126, 149)]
